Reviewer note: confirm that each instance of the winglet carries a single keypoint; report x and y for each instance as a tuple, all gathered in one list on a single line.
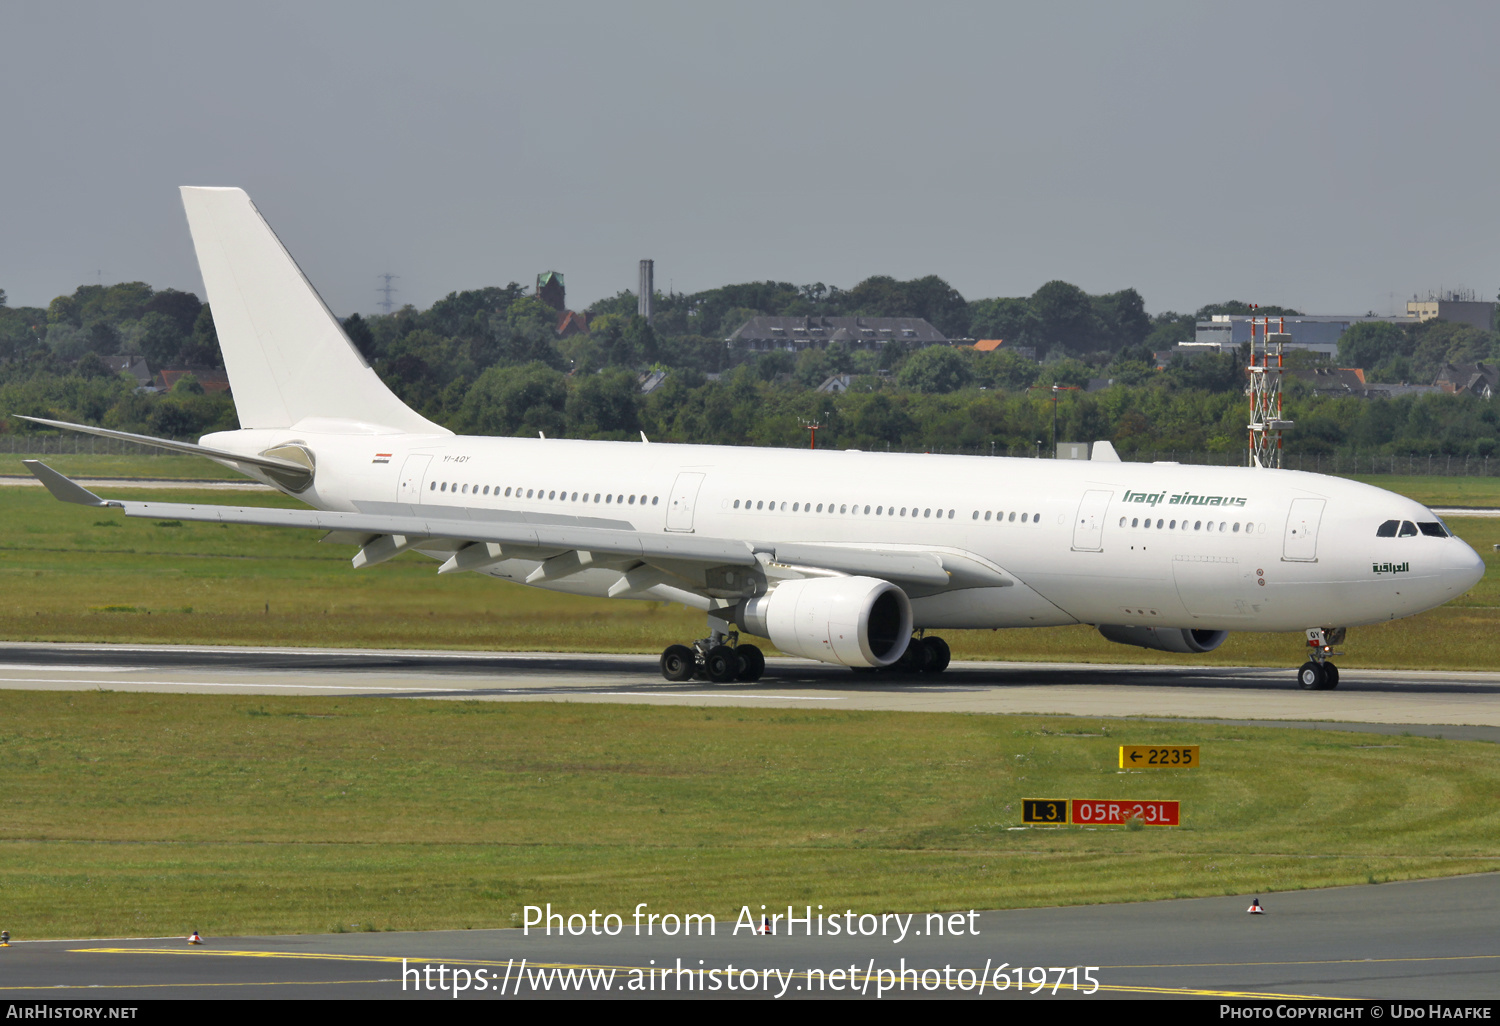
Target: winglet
[(63, 488)]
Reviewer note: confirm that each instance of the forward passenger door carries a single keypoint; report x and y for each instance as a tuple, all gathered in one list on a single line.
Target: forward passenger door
[(1301, 542)]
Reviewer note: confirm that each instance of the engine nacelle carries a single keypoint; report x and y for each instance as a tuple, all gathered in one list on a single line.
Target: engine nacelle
[(854, 621), (1165, 639)]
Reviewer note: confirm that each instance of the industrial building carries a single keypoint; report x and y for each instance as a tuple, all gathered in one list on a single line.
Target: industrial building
[(763, 334), (1458, 307), (1319, 333)]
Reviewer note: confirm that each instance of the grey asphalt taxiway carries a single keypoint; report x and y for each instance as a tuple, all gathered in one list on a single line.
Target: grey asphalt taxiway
[(1456, 705), (1419, 940)]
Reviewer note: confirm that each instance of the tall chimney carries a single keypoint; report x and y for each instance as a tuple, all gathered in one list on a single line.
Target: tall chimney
[(645, 290)]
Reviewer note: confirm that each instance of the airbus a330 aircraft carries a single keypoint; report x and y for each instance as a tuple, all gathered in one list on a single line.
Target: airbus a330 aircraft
[(834, 556)]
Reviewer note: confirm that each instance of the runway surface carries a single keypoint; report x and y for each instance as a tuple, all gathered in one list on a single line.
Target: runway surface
[(1455, 705), (1422, 939)]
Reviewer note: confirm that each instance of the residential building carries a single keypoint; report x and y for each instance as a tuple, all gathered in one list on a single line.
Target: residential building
[(1481, 379), (992, 345)]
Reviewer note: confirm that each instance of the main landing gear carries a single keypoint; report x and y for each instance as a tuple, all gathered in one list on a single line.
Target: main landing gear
[(1318, 674), (718, 658), (924, 654)]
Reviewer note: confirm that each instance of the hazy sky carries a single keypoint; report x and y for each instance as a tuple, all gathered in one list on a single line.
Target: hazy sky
[(1336, 157)]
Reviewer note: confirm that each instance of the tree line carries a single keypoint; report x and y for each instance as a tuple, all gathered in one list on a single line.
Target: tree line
[(488, 361)]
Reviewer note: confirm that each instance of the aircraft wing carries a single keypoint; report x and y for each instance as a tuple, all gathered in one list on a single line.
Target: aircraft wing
[(651, 563), (416, 524)]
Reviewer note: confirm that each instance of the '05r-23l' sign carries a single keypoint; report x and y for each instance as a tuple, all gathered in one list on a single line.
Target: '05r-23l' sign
[(1111, 813), (1105, 812)]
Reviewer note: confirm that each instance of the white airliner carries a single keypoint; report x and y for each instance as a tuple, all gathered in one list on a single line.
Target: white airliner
[(834, 556)]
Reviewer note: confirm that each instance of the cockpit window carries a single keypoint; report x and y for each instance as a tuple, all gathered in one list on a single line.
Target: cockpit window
[(1432, 530), (1387, 529), (1408, 530)]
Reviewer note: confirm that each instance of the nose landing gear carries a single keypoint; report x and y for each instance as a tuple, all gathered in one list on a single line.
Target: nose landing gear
[(1318, 674)]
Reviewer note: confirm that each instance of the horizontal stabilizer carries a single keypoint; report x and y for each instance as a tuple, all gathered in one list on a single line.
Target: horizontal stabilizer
[(294, 475)]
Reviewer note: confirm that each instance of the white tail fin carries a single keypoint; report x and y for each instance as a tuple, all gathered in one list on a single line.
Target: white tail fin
[(287, 356)]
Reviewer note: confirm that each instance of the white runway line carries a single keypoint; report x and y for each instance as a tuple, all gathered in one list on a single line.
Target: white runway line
[(214, 684), (411, 687), (77, 669)]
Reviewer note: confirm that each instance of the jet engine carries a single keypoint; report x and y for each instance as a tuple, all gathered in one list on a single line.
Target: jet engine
[(853, 621), (1165, 639)]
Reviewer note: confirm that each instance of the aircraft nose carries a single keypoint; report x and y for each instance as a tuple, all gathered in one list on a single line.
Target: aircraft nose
[(1465, 566)]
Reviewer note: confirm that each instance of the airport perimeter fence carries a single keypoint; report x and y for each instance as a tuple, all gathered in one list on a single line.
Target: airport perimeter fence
[(1412, 464), (73, 444)]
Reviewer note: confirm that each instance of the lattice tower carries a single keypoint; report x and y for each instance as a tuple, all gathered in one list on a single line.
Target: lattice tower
[(1267, 363)]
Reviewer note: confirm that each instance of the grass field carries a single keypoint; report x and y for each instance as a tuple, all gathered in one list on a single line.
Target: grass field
[(1439, 491), (139, 814), (70, 573)]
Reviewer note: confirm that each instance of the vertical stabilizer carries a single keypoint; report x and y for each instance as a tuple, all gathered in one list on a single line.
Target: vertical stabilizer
[(287, 356)]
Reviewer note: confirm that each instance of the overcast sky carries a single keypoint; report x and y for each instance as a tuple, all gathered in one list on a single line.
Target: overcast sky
[(1336, 157)]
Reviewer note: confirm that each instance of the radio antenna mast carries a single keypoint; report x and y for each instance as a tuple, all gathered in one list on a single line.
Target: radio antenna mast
[(1266, 423)]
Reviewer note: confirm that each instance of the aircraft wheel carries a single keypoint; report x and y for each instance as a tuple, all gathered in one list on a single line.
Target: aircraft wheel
[(1311, 677), (1330, 676), (938, 654), (915, 658), (752, 663), (721, 665), (677, 663)]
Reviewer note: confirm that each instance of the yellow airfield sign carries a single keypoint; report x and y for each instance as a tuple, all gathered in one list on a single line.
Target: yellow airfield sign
[(1044, 810), (1158, 756)]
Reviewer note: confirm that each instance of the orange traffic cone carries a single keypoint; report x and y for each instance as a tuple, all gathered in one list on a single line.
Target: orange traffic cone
[(765, 925), (195, 939), (1255, 908)]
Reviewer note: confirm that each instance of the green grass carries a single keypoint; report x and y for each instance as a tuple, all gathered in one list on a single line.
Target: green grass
[(1438, 491), (156, 814), (70, 573)]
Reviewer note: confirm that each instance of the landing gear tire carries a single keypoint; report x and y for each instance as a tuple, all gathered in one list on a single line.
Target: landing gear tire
[(752, 663), (938, 654), (721, 665), (1312, 677), (1330, 676), (678, 663), (916, 657)]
